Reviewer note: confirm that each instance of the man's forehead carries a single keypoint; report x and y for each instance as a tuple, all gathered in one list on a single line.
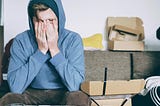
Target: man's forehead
[(45, 15)]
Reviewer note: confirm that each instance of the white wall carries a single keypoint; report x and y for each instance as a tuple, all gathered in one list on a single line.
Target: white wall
[(88, 17)]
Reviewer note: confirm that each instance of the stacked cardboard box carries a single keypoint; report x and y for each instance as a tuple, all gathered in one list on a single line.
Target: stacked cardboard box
[(113, 91), (126, 34)]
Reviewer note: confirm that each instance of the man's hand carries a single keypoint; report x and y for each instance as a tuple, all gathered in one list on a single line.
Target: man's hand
[(40, 31), (52, 37)]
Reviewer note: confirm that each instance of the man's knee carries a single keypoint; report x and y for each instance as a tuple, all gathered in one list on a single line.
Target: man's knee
[(77, 98), (10, 98), (7, 96)]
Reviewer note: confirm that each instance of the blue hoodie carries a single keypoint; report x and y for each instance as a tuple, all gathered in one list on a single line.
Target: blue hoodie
[(29, 67)]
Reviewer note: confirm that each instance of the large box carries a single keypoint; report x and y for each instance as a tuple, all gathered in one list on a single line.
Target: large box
[(115, 87), (112, 102), (126, 45)]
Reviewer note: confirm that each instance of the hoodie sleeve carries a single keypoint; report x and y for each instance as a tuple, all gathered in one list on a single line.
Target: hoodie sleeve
[(22, 70), (71, 66)]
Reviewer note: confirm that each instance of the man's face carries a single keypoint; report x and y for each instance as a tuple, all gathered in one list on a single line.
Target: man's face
[(47, 15)]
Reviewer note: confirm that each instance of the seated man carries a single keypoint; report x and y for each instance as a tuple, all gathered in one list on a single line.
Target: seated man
[(47, 62)]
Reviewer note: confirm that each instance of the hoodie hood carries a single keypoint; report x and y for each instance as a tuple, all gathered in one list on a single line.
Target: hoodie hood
[(57, 8)]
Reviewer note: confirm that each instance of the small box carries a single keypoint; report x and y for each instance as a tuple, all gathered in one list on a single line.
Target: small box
[(115, 87), (131, 22), (126, 45), (122, 33), (125, 29)]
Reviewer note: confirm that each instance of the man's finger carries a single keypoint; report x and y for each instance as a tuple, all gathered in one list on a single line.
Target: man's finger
[(35, 25)]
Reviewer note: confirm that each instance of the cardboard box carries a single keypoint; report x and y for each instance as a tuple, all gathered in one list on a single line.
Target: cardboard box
[(116, 36), (127, 30), (112, 102), (122, 33), (131, 22), (116, 87), (126, 45)]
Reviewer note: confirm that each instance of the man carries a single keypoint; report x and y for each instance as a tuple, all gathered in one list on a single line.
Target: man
[(47, 62)]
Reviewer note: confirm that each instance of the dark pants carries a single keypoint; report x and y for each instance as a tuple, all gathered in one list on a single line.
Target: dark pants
[(47, 97)]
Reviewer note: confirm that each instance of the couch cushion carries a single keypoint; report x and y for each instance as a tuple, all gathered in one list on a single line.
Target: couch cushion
[(146, 64), (118, 64)]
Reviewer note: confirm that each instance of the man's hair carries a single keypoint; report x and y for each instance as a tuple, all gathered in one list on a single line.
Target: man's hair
[(38, 7)]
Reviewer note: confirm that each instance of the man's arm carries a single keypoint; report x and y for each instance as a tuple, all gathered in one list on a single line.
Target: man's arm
[(22, 68), (71, 67)]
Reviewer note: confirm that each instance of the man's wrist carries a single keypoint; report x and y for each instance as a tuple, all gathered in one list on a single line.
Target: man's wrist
[(44, 51), (54, 52)]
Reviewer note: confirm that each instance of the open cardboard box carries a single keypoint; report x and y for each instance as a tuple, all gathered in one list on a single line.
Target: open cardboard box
[(125, 34), (122, 33), (130, 22)]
